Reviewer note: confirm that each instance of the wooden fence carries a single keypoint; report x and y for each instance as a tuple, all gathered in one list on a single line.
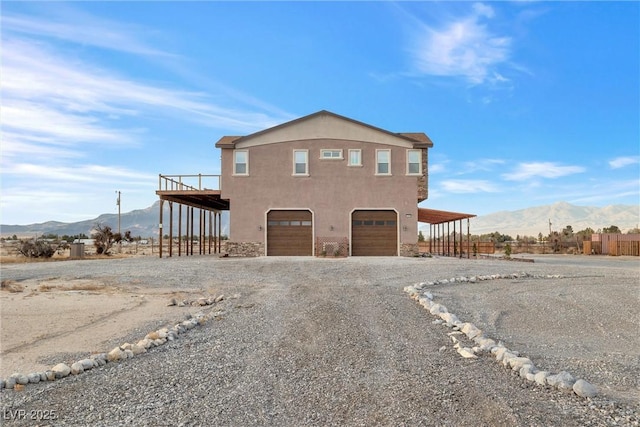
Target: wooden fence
[(612, 244)]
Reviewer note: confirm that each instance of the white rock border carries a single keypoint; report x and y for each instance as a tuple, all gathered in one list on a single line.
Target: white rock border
[(509, 358), (18, 381)]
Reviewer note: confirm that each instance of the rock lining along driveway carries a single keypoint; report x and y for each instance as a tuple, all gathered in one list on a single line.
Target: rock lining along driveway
[(320, 342)]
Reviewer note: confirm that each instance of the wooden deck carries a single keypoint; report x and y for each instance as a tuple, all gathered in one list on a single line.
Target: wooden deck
[(196, 192)]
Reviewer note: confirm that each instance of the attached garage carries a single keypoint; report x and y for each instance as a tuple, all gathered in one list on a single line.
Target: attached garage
[(289, 233), (374, 233)]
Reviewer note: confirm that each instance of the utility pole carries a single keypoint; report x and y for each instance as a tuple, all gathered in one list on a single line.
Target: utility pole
[(118, 203)]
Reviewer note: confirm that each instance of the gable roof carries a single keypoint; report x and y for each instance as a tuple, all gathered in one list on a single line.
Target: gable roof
[(417, 139)]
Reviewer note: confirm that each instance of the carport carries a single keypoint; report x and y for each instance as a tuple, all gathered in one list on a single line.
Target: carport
[(441, 239)]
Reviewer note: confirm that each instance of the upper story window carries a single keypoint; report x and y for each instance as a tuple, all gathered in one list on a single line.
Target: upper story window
[(355, 158), (331, 154), (383, 162), (414, 162), (301, 162), (241, 162)]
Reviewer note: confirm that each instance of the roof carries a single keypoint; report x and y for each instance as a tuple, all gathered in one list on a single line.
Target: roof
[(433, 216), (227, 141), (419, 139)]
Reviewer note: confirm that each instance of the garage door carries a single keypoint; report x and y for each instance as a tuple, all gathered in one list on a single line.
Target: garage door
[(289, 233), (374, 233)]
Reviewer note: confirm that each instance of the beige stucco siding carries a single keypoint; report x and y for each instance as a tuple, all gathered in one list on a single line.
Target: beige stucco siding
[(323, 126), (331, 191)]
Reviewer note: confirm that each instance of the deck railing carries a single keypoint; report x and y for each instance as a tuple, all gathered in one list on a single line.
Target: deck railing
[(188, 182)]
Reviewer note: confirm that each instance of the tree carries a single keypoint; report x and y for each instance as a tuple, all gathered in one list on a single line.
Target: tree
[(585, 234), (613, 230), (567, 231), (104, 238), (420, 236)]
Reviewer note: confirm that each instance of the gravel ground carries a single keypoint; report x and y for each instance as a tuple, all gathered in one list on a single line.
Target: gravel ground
[(337, 342)]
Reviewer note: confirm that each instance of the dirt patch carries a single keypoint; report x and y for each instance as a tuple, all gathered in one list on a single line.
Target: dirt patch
[(44, 318)]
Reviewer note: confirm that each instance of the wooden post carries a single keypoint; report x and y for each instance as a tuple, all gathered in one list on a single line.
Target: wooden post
[(468, 240), (203, 229), (461, 238), (210, 227), (192, 229), (160, 226), (215, 231), (170, 229), (455, 247), (180, 231), (186, 232), (430, 238), (219, 232)]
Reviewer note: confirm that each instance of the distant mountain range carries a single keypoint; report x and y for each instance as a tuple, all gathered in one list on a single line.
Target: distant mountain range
[(524, 222), (531, 221), (140, 222)]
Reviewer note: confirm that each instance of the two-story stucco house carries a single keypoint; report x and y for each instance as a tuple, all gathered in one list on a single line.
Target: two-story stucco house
[(325, 183)]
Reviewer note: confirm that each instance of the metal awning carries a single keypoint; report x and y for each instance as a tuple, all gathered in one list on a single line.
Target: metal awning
[(433, 216)]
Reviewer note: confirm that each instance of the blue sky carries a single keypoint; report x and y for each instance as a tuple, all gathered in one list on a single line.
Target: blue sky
[(528, 103)]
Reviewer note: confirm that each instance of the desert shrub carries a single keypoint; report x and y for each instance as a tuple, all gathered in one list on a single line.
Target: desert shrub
[(37, 249)]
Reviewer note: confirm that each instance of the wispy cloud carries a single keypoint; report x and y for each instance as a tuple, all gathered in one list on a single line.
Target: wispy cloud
[(483, 165), (620, 162), (72, 25), (91, 173), (61, 105), (437, 168), (53, 100), (463, 47), (469, 186), (525, 171)]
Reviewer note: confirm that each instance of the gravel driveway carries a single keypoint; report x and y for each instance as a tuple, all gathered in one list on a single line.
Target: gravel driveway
[(338, 342)]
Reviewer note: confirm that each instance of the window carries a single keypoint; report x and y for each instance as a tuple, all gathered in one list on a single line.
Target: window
[(241, 163), (331, 154), (355, 158), (383, 160), (301, 162), (414, 162)]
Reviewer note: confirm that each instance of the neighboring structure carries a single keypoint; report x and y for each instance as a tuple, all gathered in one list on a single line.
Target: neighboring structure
[(322, 184), (612, 244)]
